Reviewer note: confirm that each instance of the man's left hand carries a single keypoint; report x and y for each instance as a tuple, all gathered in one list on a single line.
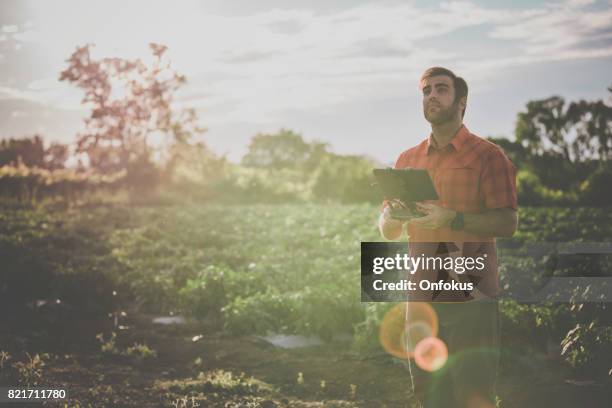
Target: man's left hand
[(437, 217)]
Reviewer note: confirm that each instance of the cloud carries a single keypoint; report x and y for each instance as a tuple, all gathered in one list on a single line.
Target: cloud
[(19, 114), (47, 91), (377, 48), (558, 29), (289, 26), (245, 57), (256, 67), (9, 28)]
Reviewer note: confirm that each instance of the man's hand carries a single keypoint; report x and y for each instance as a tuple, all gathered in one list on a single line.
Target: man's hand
[(391, 228), (390, 220), (400, 207), (436, 216)]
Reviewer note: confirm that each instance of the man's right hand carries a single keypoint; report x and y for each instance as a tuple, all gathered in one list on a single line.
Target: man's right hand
[(388, 219), (403, 212), (391, 228)]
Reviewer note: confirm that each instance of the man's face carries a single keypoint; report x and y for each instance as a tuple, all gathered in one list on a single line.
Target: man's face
[(438, 100)]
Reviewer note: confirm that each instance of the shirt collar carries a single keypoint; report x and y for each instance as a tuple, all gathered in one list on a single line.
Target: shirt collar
[(457, 141)]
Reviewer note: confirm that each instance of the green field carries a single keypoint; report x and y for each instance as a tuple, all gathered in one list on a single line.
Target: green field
[(259, 269), (284, 268)]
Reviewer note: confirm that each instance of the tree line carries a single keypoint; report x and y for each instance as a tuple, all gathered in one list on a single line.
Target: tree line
[(135, 138)]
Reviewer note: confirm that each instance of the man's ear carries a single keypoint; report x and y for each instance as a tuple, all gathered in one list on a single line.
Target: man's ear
[(463, 102)]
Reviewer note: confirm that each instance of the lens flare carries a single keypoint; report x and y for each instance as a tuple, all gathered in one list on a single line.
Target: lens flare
[(430, 354), (414, 333), (405, 325)]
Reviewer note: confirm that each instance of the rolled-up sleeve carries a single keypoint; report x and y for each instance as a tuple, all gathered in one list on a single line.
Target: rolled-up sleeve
[(498, 181)]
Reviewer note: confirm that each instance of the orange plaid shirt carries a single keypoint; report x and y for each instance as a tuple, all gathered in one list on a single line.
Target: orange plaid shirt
[(470, 175)]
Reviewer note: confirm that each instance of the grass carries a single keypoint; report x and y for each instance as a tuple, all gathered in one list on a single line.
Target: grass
[(291, 268)]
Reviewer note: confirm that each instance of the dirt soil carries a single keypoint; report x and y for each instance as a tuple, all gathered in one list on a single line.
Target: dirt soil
[(196, 366)]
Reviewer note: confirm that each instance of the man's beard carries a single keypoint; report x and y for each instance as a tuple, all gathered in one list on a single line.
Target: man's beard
[(442, 116)]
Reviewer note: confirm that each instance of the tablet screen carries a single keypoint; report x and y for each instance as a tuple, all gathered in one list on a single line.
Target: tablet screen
[(407, 184)]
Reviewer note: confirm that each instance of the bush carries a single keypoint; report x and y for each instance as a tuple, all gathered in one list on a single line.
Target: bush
[(204, 295), (588, 347), (531, 192), (347, 179), (260, 313), (261, 185), (595, 190)]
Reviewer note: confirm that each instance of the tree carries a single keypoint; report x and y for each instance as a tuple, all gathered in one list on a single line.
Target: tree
[(346, 178), (29, 151), (130, 102), (284, 149), (593, 124), (56, 156), (581, 131), (545, 127)]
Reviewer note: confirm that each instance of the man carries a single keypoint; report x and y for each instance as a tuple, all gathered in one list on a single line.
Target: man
[(477, 202)]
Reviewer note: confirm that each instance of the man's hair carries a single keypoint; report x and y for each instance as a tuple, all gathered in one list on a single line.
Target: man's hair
[(461, 88)]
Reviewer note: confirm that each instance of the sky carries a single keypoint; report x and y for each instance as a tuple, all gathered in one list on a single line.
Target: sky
[(344, 72)]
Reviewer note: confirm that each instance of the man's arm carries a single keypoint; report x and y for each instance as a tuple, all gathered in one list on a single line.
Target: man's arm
[(499, 222), (389, 228)]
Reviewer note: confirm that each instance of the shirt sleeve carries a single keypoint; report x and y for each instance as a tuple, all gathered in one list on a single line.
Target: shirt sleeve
[(498, 181)]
